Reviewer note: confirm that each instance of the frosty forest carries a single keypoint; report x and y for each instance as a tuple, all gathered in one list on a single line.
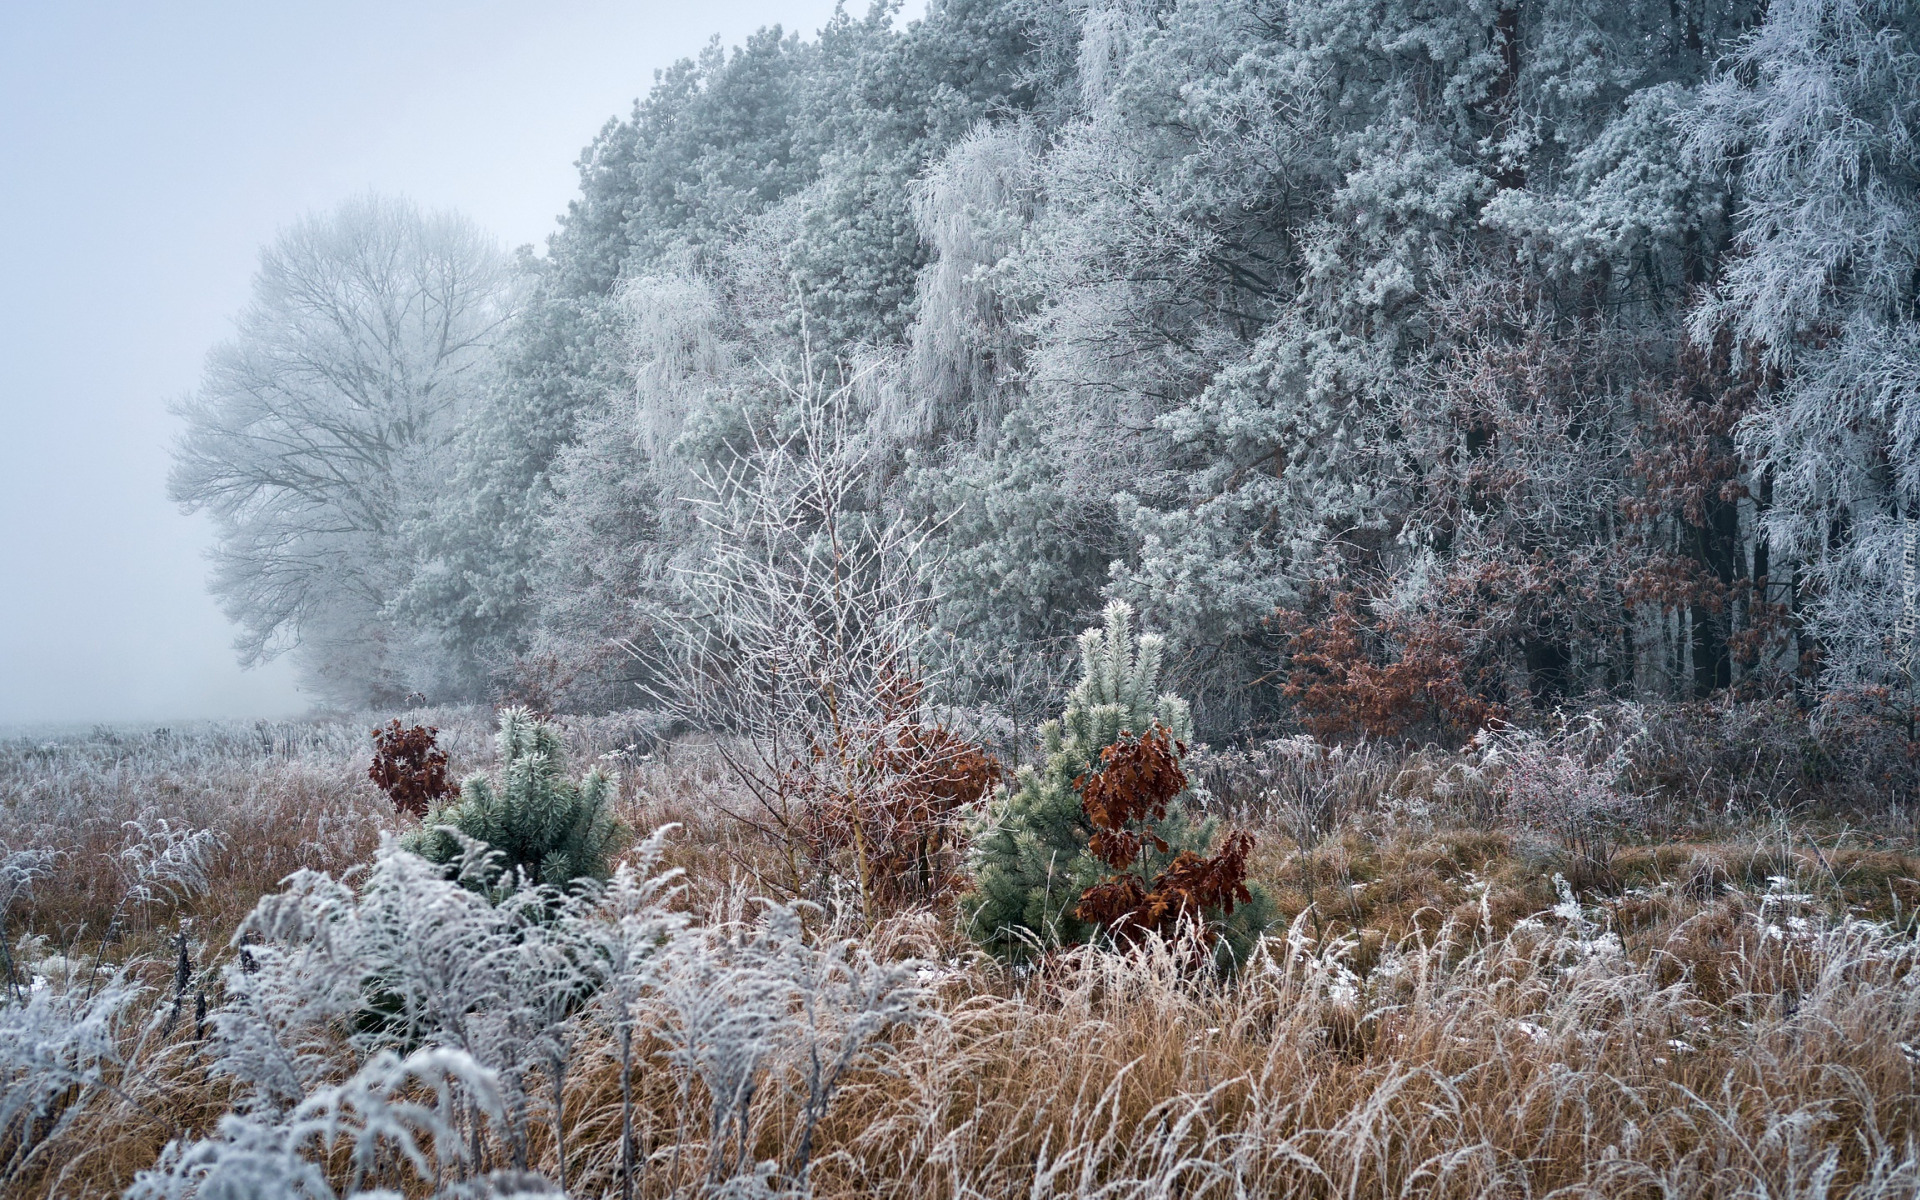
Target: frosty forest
[(1202, 598)]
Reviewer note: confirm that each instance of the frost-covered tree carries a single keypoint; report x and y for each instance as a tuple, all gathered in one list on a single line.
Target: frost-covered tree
[(1242, 252), (1505, 349), (322, 428), (801, 627), (1817, 122)]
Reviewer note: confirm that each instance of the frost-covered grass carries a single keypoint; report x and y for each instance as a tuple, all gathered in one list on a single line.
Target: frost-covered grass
[(1735, 1012)]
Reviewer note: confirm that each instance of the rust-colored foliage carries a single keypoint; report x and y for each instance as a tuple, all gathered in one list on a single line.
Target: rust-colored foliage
[(1340, 690), (1216, 882), (929, 773), (891, 788), (409, 766), (1138, 778), (1128, 908)]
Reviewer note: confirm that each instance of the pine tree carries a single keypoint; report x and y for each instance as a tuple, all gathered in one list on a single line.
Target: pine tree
[(545, 828), (1032, 859)]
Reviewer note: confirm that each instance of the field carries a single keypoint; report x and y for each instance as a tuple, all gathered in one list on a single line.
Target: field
[(1711, 991)]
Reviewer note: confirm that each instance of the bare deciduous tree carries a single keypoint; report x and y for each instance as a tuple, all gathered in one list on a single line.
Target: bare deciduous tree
[(317, 429), (803, 624)]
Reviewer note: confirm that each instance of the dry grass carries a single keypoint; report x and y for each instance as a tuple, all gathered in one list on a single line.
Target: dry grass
[(1726, 1015)]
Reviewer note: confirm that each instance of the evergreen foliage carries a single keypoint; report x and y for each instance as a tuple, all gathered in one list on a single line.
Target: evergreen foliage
[(1400, 361), (1032, 858), (544, 828)]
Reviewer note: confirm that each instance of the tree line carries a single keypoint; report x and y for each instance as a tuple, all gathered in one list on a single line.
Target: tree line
[(1413, 365)]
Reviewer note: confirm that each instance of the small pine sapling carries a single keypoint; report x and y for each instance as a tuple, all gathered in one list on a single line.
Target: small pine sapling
[(1138, 778), (1101, 821), (543, 827)]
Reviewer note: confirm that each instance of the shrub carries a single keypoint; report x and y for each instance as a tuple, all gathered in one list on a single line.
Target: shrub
[(1096, 841), (409, 766), (891, 789), (1405, 675), (1571, 782), (543, 827), (1138, 778)]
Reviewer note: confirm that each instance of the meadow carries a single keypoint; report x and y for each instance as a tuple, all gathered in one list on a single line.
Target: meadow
[(1712, 993)]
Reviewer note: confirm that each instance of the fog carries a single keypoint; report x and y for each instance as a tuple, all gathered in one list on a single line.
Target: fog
[(148, 153)]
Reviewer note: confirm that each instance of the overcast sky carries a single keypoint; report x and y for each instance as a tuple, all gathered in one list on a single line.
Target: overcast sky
[(147, 151)]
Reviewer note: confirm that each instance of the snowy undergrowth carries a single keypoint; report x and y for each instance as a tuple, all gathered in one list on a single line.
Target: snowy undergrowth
[(401, 1029), (1438, 1017)]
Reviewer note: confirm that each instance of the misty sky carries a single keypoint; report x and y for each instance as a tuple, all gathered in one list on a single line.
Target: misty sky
[(147, 151)]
